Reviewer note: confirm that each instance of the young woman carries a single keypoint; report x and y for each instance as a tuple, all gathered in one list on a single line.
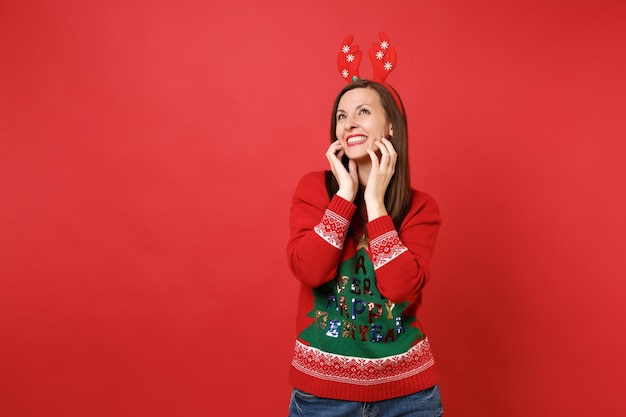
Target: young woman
[(361, 244)]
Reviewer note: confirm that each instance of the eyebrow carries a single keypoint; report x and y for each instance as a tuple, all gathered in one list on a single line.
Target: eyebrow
[(357, 107)]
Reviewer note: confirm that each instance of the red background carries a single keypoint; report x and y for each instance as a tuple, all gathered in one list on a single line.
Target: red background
[(148, 154)]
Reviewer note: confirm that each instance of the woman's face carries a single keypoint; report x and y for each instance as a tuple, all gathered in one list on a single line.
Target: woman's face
[(361, 120)]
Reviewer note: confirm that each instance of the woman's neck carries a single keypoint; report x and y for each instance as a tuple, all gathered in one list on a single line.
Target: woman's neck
[(363, 170)]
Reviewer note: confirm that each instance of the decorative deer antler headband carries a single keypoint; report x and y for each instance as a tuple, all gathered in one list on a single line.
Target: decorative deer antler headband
[(382, 55)]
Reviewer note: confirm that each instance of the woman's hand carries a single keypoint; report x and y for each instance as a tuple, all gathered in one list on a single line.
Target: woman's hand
[(380, 176), (348, 180)]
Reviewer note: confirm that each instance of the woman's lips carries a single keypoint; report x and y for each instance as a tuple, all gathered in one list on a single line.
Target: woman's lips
[(356, 140)]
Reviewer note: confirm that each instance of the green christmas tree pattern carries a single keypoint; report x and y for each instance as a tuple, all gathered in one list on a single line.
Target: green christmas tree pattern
[(352, 318)]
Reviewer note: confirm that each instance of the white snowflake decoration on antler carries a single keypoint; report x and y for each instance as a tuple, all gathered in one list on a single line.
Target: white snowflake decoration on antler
[(382, 56)]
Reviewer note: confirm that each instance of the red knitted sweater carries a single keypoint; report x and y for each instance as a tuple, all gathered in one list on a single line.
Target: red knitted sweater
[(358, 336)]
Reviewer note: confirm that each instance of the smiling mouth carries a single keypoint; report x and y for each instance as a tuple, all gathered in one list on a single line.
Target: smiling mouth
[(356, 140)]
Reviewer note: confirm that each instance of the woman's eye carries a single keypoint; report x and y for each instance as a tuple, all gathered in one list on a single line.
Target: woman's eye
[(341, 116), (364, 111)]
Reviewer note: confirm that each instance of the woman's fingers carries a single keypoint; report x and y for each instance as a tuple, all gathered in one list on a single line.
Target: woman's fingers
[(388, 156), (347, 179), (389, 153), (334, 154), (333, 149)]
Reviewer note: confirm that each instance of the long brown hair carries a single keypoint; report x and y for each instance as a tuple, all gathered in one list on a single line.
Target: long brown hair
[(398, 195)]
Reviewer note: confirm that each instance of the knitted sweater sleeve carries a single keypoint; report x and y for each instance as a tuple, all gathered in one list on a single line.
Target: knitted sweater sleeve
[(318, 228), (402, 258)]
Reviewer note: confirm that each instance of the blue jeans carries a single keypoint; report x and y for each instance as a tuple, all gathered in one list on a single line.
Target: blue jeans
[(426, 403)]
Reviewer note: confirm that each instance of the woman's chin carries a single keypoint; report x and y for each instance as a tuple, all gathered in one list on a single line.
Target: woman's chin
[(360, 158)]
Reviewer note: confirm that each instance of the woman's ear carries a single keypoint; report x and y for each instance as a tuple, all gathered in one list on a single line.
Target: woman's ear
[(390, 130)]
